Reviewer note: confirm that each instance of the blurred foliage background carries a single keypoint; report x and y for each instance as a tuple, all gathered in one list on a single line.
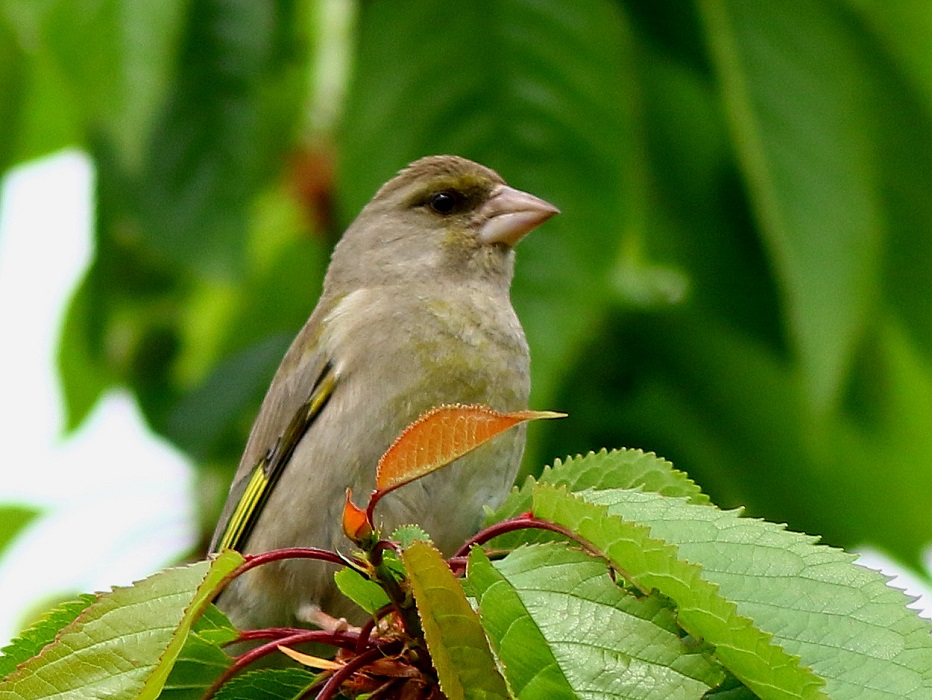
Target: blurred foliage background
[(740, 279)]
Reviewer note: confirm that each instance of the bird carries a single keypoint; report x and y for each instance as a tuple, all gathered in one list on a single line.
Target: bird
[(414, 312)]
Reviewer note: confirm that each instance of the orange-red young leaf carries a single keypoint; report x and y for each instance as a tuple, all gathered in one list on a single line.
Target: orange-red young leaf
[(441, 436), (356, 523)]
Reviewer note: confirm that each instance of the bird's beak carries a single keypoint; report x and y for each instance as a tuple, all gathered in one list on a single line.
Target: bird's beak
[(510, 214)]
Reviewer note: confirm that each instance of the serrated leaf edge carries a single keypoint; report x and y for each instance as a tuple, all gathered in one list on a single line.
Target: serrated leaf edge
[(694, 571)]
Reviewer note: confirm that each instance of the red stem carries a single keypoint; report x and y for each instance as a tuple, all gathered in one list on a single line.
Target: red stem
[(524, 521), (375, 555), (332, 686), (527, 521), (344, 639), (299, 637), (370, 506), (457, 565), (366, 630), (254, 560)]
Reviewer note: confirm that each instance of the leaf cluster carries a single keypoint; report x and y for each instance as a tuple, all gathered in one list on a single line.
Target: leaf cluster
[(611, 576)]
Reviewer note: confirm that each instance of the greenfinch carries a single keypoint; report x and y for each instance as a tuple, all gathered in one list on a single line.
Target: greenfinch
[(415, 312)]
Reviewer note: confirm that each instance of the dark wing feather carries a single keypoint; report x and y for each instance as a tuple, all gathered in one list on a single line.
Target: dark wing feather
[(255, 490)]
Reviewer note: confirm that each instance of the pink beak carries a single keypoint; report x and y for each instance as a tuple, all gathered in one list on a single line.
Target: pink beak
[(511, 213)]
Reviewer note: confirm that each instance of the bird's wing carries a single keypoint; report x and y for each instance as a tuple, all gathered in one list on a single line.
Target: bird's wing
[(252, 489), (300, 389)]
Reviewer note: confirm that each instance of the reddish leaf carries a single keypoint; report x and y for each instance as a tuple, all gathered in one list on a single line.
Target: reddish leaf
[(441, 436), (356, 523)]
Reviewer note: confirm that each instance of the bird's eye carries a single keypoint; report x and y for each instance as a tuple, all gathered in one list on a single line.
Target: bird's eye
[(444, 202)]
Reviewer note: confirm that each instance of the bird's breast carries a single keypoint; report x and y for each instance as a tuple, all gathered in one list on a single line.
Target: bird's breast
[(400, 352), (467, 346)]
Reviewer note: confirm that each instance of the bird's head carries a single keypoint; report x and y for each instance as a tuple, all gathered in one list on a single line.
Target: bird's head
[(442, 217)]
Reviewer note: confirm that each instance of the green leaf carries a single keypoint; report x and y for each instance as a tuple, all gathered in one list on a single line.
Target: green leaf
[(84, 376), (124, 644), (792, 76), (208, 151), (198, 665), (842, 620), (367, 594), (116, 87), (902, 71), (38, 115), (903, 29), (202, 418), (201, 660), (696, 223), (214, 626), (457, 644), (31, 641), (13, 518), (617, 469), (12, 89), (521, 647), (902, 75), (273, 684), (562, 628), (654, 564), (406, 534)]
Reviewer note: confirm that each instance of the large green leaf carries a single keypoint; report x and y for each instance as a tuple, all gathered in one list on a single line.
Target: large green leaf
[(902, 119), (652, 563), (113, 89), (618, 469), (118, 86), (697, 228), (458, 647), (792, 76), (122, 645), (842, 620), (562, 628), (522, 649), (213, 144)]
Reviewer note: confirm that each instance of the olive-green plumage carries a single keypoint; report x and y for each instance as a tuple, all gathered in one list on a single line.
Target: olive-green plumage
[(415, 312)]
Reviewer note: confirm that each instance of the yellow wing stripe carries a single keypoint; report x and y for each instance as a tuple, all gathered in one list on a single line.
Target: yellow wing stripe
[(267, 471), (245, 507)]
